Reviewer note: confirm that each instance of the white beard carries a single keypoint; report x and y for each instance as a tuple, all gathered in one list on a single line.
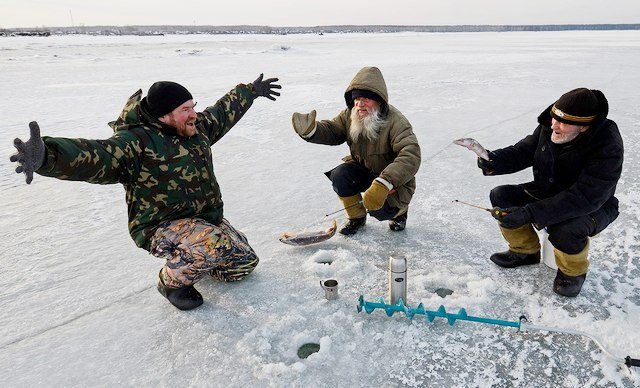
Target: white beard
[(563, 138), (368, 127)]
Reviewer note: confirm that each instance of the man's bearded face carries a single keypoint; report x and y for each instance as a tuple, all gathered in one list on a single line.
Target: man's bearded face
[(183, 118), (564, 133), (366, 119)]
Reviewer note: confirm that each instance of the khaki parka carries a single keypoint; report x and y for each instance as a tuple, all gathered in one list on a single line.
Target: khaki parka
[(394, 156)]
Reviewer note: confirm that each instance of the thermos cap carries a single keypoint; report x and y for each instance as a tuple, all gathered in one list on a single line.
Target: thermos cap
[(397, 264)]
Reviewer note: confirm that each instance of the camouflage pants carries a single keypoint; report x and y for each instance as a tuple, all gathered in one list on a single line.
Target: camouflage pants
[(195, 248)]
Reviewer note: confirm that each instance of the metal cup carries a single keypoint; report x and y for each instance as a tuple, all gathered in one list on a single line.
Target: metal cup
[(330, 288)]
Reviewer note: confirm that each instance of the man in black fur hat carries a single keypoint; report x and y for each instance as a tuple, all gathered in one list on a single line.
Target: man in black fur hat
[(576, 154)]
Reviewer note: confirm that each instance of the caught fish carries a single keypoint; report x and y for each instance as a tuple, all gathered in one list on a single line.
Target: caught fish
[(306, 238), (474, 146)]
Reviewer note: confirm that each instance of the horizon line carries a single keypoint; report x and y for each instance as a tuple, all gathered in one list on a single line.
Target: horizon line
[(332, 25)]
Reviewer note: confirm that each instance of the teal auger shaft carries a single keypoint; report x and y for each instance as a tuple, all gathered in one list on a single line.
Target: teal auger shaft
[(521, 325), (462, 315)]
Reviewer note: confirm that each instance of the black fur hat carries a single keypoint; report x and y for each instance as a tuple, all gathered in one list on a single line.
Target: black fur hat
[(580, 106)]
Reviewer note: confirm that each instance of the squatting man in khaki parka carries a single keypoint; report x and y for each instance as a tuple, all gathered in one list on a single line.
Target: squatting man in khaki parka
[(384, 152)]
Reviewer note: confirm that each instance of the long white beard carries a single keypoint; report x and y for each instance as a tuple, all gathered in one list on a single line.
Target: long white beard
[(368, 127)]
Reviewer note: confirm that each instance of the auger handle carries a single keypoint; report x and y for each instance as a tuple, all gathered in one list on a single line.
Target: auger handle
[(628, 361)]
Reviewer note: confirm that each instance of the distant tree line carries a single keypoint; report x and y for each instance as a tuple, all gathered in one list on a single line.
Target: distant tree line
[(245, 29)]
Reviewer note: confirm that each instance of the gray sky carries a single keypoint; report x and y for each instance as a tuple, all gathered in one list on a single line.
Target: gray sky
[(50, 13)]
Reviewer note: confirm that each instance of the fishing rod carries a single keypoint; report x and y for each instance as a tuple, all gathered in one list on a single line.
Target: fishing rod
[(480, 207), (472, 205), (356, 204), (522, 324), (341, 210), (344, 208)]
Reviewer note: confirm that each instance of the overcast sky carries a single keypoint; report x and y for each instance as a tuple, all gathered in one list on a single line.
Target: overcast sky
[(50, 13)]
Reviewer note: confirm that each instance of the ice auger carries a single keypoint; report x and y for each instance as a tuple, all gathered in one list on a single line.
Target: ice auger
[(522, 324)]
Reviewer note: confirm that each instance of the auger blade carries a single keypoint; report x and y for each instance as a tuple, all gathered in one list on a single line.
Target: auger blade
[(441, 312)]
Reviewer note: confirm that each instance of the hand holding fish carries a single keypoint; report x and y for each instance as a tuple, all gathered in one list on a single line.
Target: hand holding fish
[(474, 146), (487, 166)]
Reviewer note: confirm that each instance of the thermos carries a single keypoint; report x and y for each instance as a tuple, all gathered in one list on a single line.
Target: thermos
[(397, 280)]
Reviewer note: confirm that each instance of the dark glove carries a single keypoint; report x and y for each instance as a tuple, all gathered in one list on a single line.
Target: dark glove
[(30, 156), (512, 217), (265, 88), (487, 166)]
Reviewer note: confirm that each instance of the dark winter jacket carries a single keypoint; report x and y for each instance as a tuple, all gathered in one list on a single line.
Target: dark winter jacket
[(572, 179), (166, 176), (394, 156)]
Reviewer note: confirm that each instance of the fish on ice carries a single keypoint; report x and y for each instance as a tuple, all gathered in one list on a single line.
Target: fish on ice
[(307, 238)]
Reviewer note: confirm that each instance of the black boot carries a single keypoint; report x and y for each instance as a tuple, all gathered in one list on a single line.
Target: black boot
[(184, 298), (568, 285), (399, 223), (508, 259), (352, 226)]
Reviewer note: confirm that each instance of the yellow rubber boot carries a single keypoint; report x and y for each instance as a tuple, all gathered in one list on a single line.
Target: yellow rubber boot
[(522, 240), (353, 206), (573, 265)]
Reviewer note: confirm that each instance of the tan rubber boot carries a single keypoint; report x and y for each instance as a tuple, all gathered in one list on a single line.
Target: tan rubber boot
[(524, 248), (572, 272), (353, 206), (522, 240), (573, 265), (356, 213)]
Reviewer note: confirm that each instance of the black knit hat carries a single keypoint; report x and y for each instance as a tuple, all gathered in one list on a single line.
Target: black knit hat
[(355, 93), (165, 96), (580, 107)]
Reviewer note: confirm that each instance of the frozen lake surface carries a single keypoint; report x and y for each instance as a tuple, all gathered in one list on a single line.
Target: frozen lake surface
[(79, 304)]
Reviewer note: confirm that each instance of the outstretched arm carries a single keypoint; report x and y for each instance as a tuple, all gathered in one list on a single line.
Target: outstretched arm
[(329, 132), (94, 161), (513, 158), (219, 118)]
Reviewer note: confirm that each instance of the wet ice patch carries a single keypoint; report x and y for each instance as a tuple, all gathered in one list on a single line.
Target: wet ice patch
[(182, 52), (308, 349), (443, 292), (280, 47)]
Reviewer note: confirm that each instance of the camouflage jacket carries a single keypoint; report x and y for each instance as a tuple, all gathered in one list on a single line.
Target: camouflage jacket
[(165, 176)]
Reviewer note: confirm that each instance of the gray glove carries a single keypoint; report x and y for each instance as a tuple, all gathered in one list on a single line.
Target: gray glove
[(265, 88), (30, 156), (304, 123)]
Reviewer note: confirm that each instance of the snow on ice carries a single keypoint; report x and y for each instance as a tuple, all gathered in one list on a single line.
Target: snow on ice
[(79, 304)]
